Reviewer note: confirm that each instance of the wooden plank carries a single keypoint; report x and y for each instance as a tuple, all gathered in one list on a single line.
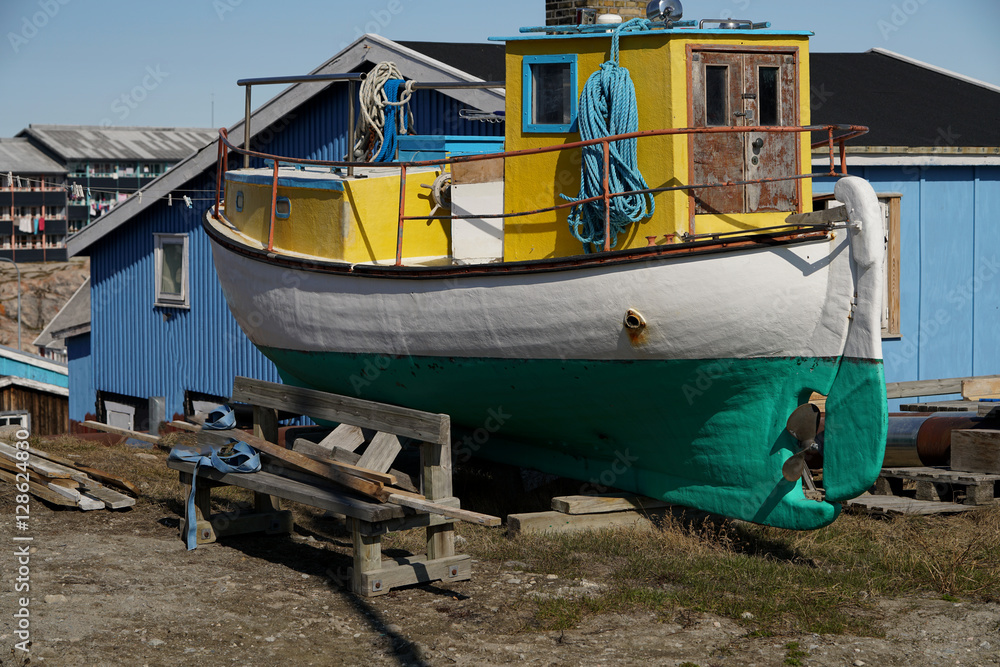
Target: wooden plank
[(145, 437), (368, 414), (65, 492), (402, 479), (331, 499), (110, 497), (604, 503), (940, 475), (380, 453), (301, 461), (345, 436), (418, 503), (893, 266), (108, 478), (88, 502), (977, 388), (929, 387), (44, 466), (975, 450), (303, 447), (941, 406), (557, 522), (184, 426), (39, 490), (415, 570), (900, 505), (989, 409)]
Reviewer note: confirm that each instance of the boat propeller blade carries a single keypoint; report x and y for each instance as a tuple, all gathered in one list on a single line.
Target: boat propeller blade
[(803, 424)]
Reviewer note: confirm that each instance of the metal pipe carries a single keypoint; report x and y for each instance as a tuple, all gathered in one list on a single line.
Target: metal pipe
[(350, 126), (18, 269), (246, 132), (402, 210), (607, 196), (300, 78), (274, 206), (916, 439)]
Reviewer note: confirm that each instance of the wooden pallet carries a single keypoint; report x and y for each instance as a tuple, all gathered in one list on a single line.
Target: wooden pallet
[(938, 485), (898, 505)]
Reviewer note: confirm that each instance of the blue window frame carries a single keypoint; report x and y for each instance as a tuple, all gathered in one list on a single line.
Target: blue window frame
[(549, 93)]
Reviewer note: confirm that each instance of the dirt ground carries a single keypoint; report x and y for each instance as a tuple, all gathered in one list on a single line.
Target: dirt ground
[(119, 588)]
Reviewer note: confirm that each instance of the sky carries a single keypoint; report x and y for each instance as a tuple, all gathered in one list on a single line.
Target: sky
[(176, 63)]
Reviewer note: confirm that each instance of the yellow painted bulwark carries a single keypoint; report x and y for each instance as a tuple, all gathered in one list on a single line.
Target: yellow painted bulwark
[(659, 68), (355, 225)]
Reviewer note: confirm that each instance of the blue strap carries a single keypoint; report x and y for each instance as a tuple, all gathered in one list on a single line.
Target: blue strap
[(220, 419), (387, 152), (243, 458)]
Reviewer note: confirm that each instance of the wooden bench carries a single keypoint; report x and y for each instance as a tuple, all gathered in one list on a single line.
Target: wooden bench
[(368, 519)]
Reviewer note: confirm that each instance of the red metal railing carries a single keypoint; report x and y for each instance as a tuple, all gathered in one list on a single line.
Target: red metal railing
[(849, 132)]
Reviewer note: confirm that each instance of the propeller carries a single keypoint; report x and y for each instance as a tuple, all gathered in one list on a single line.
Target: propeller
[(803, 424)]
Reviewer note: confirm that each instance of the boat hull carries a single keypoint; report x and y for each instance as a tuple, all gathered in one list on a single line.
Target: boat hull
[(536, 367)]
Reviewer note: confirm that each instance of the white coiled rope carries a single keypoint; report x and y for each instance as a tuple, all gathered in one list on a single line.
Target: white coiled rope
[(369, 134)]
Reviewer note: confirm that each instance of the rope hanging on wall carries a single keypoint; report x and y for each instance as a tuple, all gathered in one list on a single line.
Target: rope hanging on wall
[(608, 107), (385, 113)]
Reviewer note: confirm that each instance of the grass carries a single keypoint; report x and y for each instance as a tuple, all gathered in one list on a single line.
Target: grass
[(770, 581)]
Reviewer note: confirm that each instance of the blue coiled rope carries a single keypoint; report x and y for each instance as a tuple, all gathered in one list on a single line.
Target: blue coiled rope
[(608, 107), (387, 152)]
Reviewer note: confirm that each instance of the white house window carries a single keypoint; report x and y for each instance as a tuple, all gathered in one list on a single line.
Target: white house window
[(171, 260)]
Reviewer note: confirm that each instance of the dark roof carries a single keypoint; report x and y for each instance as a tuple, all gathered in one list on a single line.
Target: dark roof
[(71, 320), (902, 101), (93, 142), (20, 157), (485, 61)]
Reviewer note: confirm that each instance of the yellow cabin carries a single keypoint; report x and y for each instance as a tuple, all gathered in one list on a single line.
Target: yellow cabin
[(693, 85)]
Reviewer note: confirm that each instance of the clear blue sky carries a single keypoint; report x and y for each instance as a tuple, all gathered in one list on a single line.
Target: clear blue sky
[(71, 61)]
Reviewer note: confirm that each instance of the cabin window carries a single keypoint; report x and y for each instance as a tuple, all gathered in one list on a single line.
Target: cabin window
[(549, 93), (767, 85), (716, 95), (170, 257), (239, 201), (282, 208)]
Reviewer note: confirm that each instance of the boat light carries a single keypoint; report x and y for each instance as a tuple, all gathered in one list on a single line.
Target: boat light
[(665, 10)]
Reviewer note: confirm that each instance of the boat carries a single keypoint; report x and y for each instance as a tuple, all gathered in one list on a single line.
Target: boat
[(659, 331)]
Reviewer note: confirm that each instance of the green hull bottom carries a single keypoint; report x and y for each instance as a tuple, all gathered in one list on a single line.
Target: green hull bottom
[(708, 434)]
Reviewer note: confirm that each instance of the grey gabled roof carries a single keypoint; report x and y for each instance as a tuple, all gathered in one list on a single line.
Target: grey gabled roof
[(368, 49), (72, 319), (94, 142), (19, 156)]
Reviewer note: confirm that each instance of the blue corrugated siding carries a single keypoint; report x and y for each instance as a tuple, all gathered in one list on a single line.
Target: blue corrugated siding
[(139, 350), (949, 271), (82, 393)]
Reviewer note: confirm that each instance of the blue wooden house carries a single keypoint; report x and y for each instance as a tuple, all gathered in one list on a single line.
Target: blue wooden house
[(177, 343), (931, 153)]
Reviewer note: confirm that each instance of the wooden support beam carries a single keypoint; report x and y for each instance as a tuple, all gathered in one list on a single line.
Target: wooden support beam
[(414, 570), (302, 462), (930, 387), (976, 450), (367, 414), (557, 522), (344, 436), (982, 387), (602, 504), (137, 435), (422, 504), (349, 462), (381, 452)]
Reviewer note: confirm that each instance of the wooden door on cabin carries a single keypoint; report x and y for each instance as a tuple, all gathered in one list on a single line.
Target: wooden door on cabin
[(743, 89)]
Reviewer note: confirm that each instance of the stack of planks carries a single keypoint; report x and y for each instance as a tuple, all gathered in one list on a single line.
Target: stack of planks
[(573, 514), (65, 483)]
